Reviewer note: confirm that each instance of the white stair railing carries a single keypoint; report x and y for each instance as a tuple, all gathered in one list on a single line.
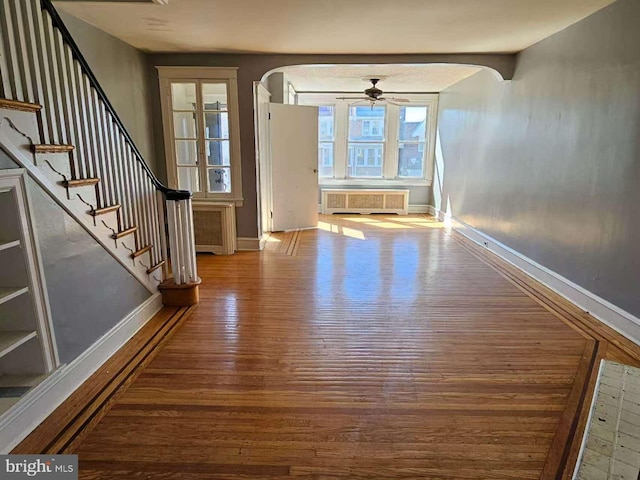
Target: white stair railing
[(40, 63)]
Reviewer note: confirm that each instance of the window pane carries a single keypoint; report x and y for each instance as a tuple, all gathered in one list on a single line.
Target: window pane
[(325, 159), (183, 96), (413, 124), (366, 123), (410, 157), (187, 152), (325, 123), (218, 152), (189, 179), (216, 125), (219, 179), (365, 160), (184, 125), (214, 96)]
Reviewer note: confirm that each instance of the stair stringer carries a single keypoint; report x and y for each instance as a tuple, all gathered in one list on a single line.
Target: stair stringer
[(18, 146)]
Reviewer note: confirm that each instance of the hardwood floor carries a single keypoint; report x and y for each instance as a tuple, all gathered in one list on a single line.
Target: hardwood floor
[(372, 347)]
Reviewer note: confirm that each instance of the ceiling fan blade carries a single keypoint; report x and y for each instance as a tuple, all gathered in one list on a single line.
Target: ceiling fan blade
[(399, 100), (351, 98)]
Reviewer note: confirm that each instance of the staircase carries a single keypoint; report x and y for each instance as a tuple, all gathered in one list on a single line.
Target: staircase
[(57, 122)]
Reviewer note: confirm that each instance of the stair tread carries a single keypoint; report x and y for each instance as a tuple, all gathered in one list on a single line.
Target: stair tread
[(155, 267), (124, 233), (103, 210), (18, 105), (51, 148), (141, 251), (81, 182)]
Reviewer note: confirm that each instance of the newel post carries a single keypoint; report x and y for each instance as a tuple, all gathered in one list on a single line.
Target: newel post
[(182, 289)]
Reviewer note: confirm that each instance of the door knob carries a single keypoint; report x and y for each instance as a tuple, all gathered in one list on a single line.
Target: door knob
[(315, 170)]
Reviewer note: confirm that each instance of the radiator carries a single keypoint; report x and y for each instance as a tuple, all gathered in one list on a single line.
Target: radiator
[(214, 226), (365, 201)]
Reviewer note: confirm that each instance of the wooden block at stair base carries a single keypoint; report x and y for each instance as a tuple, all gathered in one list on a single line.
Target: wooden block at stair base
[(183, 295)]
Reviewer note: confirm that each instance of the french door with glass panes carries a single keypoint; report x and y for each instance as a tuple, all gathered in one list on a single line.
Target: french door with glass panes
[(201, 136)]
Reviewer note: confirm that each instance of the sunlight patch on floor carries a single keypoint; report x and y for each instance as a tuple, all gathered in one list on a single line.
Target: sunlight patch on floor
[(347, 232), (350, 232), (392, 225)]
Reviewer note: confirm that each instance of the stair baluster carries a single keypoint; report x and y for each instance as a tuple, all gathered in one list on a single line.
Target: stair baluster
[(40, 63)]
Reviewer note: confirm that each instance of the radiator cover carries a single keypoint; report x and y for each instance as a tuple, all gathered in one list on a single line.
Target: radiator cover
[(214, 226), (365, 201)]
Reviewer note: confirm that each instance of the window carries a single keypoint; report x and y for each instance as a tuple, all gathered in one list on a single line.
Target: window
[(387, 145), (372, 128), (366, 126), (326, 126), (412, 136), (202, 136)]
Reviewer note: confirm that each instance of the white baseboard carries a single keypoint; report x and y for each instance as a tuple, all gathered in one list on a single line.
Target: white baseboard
[(620, 320), (249, 244), (40, 402), (418, 209), (432, 210)]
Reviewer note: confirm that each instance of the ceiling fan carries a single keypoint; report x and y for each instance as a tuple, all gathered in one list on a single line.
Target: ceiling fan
[(373, 94)]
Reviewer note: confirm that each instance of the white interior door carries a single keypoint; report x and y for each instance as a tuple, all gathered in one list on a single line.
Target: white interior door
[(294, 166)]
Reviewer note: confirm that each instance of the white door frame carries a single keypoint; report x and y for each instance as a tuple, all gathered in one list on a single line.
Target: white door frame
[(261, 99)]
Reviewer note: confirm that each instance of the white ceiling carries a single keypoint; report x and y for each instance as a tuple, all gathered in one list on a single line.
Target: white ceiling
[(394, 78), (334, 26)]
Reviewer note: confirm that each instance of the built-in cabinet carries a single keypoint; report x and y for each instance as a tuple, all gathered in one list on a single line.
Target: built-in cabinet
[(27, 351)]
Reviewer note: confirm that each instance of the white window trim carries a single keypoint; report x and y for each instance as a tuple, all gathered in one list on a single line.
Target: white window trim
[(390, 165), (228, 75)]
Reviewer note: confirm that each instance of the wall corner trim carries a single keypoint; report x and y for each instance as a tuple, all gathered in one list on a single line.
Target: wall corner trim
[(620, 320), (40, 402), (250, 244)]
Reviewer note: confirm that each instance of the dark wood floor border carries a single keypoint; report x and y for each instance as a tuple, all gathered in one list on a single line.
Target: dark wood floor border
[(565, 436), (64, 429), (566, 444), (554, 302)]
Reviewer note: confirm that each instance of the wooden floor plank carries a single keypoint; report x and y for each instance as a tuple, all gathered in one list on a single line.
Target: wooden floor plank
[(373, 347)]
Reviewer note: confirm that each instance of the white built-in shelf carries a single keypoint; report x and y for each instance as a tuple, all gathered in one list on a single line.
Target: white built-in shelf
[(24, 383), (12, 340), (7, 245), (7, 294)]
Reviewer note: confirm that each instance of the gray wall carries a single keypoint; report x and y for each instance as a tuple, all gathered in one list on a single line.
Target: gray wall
[(122, 73), (89, 291), (252, 68), (549, 163)]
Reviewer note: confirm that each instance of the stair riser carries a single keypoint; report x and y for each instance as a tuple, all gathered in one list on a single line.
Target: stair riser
[(110, 218), (144, 259), (25, 122), (87, 192), (48, 162)]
